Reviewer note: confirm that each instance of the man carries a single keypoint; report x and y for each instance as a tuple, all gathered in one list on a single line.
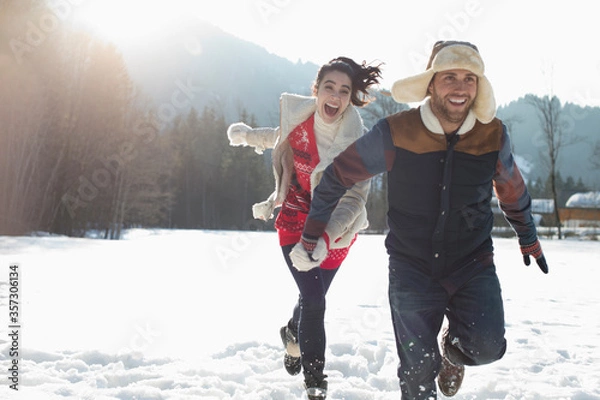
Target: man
[(443, 160)]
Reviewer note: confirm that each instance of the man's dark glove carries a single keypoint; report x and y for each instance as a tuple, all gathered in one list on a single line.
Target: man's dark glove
[(535, 250)]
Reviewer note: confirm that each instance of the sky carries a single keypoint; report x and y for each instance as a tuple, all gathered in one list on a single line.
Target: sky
[(532, 46), (188, 315)]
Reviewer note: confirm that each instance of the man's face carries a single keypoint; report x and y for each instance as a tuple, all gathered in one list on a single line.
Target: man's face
[(452, 94)]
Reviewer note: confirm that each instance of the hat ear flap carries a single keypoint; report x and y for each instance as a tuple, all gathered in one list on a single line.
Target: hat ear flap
[(412, 89), (484, 107)]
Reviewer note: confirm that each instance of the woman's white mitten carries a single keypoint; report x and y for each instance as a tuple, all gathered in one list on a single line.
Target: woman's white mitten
[(303, 261), (237, 134)]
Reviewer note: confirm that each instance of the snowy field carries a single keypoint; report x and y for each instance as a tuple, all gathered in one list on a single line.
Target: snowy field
[(196, 315)]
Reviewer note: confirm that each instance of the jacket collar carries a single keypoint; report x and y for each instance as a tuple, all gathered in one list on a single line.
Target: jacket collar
[(295, 109)]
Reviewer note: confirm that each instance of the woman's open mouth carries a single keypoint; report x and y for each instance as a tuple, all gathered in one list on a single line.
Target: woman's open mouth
[(330, 110)]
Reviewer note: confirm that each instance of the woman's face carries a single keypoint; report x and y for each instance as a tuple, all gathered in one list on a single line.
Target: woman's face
[(333, 95)]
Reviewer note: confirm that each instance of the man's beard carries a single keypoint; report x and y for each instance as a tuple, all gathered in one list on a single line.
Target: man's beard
[(439, 107)]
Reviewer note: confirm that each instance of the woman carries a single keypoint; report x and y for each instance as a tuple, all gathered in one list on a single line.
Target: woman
[(313, 130)]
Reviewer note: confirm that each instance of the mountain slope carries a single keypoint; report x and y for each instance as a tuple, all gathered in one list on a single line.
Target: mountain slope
[(198, 64)]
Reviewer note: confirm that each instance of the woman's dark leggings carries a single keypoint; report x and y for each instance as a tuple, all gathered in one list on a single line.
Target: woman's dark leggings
[(308, 318)]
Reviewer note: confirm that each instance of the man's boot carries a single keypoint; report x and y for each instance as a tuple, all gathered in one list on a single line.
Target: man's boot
[(451, 375)]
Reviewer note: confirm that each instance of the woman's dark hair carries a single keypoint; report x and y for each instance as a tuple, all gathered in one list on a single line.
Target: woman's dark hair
[(361, 75)]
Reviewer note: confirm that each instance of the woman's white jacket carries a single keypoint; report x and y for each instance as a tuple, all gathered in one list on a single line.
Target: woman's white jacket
[(350, 214)]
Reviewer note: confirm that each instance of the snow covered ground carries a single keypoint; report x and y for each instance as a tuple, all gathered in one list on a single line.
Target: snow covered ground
[(196, 314)]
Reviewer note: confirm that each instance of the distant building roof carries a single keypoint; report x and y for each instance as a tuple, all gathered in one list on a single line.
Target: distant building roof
[(584, 200)]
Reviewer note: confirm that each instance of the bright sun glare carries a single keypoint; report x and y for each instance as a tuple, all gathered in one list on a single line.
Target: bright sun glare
[(127, 20)]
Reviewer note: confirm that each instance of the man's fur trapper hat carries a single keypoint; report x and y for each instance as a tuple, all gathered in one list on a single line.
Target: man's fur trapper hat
[(448, 55)]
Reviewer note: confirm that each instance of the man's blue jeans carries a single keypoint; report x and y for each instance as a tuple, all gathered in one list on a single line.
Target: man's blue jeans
[(471, 301)]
